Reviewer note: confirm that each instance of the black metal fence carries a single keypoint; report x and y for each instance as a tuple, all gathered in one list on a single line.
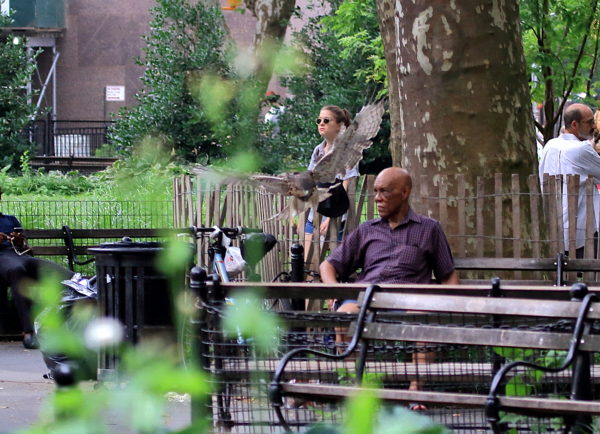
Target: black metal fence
[(76, 138), (99, 214)]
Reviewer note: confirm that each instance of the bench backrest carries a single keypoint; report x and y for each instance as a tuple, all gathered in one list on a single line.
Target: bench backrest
[(72, 243), (558, 268), (490, 333)]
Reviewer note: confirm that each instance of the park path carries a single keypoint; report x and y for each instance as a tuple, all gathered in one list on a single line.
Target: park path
[(24, 391)]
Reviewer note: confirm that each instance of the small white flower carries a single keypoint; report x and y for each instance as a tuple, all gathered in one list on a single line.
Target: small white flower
[(103, 332)]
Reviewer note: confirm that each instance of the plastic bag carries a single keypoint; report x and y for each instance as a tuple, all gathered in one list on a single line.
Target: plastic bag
[(234, 262)]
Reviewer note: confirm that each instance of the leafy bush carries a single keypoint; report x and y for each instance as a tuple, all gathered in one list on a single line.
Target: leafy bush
[(41, 183), (185, 40), (15, 110)]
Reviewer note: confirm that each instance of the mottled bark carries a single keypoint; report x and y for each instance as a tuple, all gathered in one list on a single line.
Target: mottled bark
[(272, 18), (389, 36), (462, 90), (461, 97)]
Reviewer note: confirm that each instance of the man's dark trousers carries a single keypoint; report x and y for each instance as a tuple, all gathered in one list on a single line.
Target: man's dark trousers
[(15, 270)]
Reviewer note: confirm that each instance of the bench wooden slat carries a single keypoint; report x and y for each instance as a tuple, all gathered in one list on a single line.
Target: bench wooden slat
[(34, 234), (463, 372), (507, 264), (582, 265), (49, 250), (476, 336), (484, 305), (43, 234), (352, 290), (444, 398)]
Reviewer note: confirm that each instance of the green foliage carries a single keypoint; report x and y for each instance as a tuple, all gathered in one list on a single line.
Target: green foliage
[(41, 183), (245, 318), (145, 175), (142, 176), (340, 72), (355, 24), (15, 111), (185, 41), (561, 29), (560, 41), (362, 411)]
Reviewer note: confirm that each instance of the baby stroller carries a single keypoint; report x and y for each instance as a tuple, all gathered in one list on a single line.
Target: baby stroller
[(74, 291)]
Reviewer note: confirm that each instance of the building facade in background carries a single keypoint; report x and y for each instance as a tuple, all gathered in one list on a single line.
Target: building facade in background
[(86, 64)]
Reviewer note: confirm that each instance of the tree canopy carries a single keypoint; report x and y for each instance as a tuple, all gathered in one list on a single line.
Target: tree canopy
[(15, 110)]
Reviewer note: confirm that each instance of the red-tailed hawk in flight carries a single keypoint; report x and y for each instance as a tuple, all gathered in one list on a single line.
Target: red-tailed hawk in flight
[(345, 152)]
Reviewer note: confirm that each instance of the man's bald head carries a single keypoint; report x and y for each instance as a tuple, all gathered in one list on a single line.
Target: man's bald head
[(392, 189), (579, 121), (396, 175)]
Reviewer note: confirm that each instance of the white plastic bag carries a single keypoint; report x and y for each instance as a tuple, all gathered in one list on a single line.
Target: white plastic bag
[(234, 263)]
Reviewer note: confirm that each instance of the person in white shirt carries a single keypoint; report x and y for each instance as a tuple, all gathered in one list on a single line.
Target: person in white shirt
[(571, 154)]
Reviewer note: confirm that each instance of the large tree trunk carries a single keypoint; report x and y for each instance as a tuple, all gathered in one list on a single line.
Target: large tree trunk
[(461, 96), (462, 87), (272, 18), (389, 36)]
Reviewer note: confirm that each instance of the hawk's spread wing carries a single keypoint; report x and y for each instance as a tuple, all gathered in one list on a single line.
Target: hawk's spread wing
[(349, 145), (273, 184)]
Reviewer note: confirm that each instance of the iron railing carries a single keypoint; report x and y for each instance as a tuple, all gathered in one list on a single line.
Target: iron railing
[(76, 138)]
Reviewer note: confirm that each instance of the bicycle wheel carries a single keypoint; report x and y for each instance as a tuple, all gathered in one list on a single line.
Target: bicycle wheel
[(185, 340), (278, 304)]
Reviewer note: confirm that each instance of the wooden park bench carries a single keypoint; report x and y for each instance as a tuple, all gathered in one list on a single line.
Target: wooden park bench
[(477, 339), (558, 271), (72, 245)]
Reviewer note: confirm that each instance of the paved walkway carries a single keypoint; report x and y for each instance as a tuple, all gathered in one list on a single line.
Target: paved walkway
[(22, 387), (23, 392)]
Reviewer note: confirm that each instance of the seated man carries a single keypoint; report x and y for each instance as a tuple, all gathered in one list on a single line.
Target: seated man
[(399, 247), (17, 268)]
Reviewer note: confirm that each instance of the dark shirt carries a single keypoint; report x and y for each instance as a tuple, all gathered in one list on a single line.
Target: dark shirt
[(409, 253), (7, 225)]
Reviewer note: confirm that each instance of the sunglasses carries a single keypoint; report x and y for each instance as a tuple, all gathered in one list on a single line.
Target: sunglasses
[(324, 120)]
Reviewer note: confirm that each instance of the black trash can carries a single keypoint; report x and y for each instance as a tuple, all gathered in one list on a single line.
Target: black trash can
[(131, 290)]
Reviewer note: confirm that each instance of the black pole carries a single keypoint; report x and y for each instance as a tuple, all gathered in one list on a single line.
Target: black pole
[(297, 272), (200, 407), (581, 381), (496, 292)]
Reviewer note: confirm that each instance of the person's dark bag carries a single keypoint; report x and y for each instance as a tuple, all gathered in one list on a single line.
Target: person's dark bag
[(336, 204)]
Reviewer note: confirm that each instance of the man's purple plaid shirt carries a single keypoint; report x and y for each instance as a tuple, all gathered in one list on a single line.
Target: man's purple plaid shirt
[(410, 253)]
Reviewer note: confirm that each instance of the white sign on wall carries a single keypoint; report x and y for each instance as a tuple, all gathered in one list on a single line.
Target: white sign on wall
[(115, 93), (4, 7)]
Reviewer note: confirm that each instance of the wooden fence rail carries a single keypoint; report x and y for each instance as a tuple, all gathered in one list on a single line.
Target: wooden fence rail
[(499, 217)]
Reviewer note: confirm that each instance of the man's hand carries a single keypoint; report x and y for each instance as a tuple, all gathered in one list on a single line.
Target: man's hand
[(18, 239), (324, 226), (452, 279), (3, 237)]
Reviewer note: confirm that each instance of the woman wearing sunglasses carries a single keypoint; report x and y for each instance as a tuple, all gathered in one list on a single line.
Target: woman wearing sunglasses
[(329, 123)]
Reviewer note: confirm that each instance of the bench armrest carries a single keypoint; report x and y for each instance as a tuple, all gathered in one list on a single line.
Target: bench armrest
[(275, 388), (493, 404), (71, 254)]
